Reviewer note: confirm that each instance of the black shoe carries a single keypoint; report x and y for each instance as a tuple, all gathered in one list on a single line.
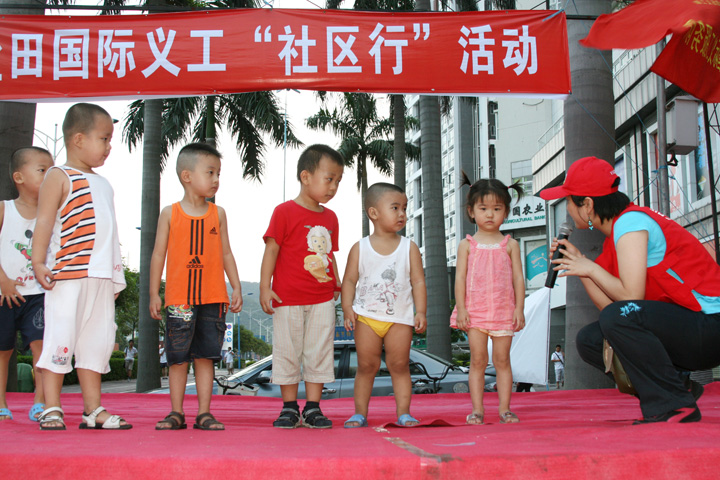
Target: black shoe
[(289, 418), (694, 387), (314, 418), (688, 414)]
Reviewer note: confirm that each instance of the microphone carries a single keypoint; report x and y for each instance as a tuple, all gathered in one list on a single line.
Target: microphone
[(563, 233)]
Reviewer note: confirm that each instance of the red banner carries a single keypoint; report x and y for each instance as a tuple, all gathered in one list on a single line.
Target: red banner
[(691, 60), (231, 51)]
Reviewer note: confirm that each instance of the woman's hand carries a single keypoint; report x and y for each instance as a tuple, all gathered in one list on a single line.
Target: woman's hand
[(573, 263)]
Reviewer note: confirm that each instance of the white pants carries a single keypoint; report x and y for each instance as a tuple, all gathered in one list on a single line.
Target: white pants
[(80, 321)]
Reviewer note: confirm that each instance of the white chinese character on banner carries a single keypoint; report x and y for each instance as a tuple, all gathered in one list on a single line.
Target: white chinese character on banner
[(206, 66), (70, 53), (381, 41), (513, 55), (334, 63), (479, 52), (161, 59), (26, 55), (117, 56), (288, 52)]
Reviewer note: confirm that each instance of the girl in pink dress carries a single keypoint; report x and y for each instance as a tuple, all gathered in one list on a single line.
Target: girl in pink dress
[(489, 293)]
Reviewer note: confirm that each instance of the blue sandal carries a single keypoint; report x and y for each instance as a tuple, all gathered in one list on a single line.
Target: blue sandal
[(36, 410), (5, 412), (406, 418), (357, 418)]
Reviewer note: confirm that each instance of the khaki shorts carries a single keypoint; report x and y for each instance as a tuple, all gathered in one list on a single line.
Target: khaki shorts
[(303, 338)]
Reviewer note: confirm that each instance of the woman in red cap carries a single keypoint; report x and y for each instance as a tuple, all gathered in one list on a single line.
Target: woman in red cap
[(657, 288)]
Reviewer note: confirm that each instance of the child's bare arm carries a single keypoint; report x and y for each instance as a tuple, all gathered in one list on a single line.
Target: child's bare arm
[(52, 193), (266, 272), (236, 302), (349, 283), (460, 284), (157, 262), (8, 286), (518, 280), (419, 291)]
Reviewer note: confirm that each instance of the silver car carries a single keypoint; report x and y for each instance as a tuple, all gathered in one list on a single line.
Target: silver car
[(430, 374)]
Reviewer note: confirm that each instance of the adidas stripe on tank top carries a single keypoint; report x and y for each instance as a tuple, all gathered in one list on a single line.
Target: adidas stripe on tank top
[(195, 270)]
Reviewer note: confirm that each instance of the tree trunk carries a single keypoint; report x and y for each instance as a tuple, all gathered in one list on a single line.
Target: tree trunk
[(436, 271), (148, 360), (362, 165), (399, 153), (586, 134), (17, 123)]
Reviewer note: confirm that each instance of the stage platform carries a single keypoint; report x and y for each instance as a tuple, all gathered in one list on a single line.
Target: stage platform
[(562, 434)]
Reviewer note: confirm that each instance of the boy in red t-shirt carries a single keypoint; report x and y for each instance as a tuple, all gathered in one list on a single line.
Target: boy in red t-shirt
[(299, 246), (193, 234)]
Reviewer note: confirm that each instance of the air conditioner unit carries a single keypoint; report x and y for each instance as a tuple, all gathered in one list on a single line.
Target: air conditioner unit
[(682, 125)]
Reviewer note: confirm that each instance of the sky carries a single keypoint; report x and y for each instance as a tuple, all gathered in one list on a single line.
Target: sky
[(249, 204)]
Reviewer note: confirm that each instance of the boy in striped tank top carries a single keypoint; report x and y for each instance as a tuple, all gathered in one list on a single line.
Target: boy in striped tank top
[(77, 261), (21, 296), (193, 234)]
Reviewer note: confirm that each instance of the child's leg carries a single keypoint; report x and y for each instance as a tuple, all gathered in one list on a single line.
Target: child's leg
[(397, 359), (52, 386), (36, 348), (204, 374), (478, 364), (503, 370), (369, 351), (90, 385), (177, 383), (4, 362)]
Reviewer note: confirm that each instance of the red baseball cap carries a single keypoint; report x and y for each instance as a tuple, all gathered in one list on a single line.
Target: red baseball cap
[(587, 177)]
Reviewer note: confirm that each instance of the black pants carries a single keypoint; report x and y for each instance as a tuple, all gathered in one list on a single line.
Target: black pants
[(654, 340)]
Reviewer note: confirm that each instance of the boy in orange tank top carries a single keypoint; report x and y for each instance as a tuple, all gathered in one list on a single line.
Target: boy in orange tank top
[(193, 234)]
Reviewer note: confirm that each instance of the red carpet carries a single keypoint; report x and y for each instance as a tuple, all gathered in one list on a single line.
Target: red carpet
[(562, 434)]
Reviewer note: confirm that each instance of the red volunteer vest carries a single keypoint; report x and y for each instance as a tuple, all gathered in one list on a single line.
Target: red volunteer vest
[(684, 255)]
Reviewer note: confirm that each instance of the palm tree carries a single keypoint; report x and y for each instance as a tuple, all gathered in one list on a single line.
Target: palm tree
[(246, 116), (365, 137), (585, 135)]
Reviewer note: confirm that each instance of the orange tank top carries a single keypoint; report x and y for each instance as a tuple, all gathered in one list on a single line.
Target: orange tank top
[(195, 271)]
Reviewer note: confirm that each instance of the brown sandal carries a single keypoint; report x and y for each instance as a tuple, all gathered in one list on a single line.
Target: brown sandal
[(176, 420), (206, 421)]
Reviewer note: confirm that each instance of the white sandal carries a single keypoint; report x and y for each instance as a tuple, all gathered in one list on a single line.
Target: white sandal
[(111, 423), (52, 415)]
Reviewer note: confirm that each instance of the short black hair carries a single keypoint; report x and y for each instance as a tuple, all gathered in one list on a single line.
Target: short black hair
[(80, 118), (608, 206), (188, 155), (20, 157), (310, 158), (377, 190)]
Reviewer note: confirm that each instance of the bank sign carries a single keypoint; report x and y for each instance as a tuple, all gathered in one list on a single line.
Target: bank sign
[(528, 212)]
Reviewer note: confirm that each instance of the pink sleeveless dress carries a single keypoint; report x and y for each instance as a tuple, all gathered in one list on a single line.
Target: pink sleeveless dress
[(489, 293)]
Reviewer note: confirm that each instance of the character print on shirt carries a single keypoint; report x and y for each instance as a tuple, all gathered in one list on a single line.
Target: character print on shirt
[(183, 312), (24, 247), (379, 297), (319, 242)]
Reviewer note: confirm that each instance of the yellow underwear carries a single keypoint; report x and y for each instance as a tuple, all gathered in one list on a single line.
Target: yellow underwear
[(379, 327)]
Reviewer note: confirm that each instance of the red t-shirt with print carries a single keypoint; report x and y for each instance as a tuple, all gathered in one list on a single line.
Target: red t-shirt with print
[(304, 273)]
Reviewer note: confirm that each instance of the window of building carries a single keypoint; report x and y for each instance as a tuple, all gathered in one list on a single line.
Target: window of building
[(419, 231)]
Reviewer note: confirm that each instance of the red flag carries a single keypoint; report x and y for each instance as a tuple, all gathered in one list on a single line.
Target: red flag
[(691, 60)]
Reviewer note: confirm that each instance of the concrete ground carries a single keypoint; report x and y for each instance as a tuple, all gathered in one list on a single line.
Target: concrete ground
[(123, 386)]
